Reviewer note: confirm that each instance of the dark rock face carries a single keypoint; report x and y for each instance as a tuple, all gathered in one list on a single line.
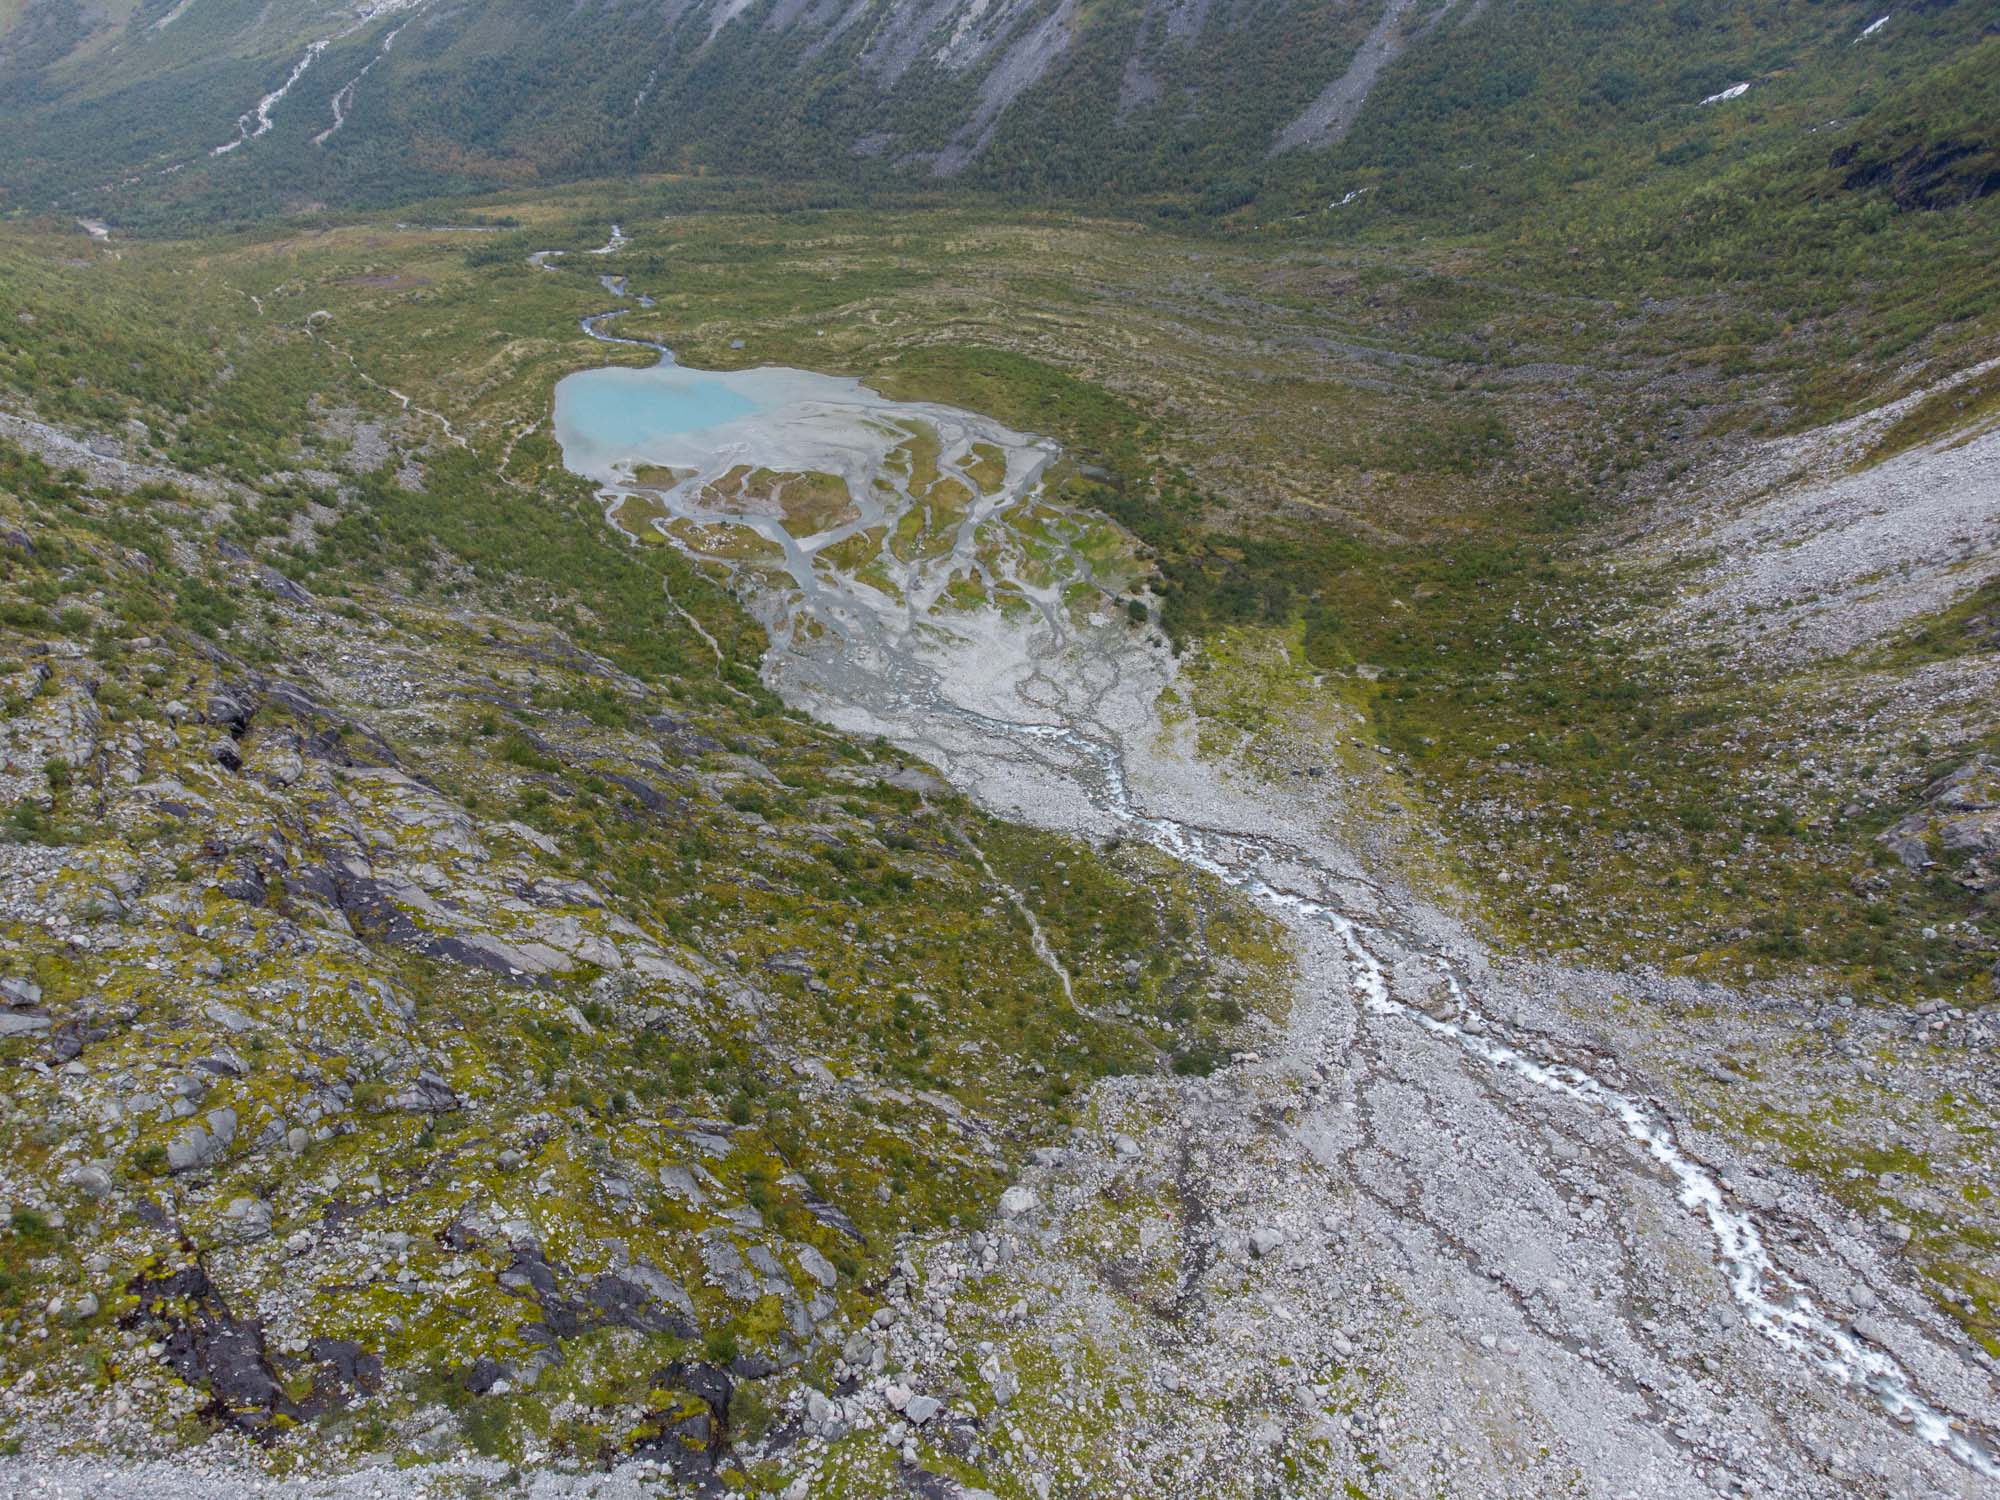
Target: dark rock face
[(709, 1383), (214, 1350), (690, 1434), (463, 1234), (376, 918), (66, 1042), (229, 709), (428, 1094), (926, 1484), (626, 1304), (313, 884), (347, 1365), (483, 1374), (609, 1300), (247, 888), (282, 586), (1970, 788), (530, 1273), (1906, 841), (831, 1216), (645, 793)]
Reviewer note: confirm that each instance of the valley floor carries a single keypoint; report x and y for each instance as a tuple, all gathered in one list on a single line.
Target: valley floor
[(1154, 1097)]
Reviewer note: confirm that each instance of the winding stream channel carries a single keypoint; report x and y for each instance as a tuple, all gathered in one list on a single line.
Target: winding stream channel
[(931, 591)]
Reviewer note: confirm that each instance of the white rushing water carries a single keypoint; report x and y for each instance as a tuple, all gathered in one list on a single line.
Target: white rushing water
[(1775, 1305), (342, 101), (882, 653), (256, 121)]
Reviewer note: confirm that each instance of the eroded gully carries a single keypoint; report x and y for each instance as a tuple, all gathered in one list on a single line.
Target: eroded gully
[(984, 696)]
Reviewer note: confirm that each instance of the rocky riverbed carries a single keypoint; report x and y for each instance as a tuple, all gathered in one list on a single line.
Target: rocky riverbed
[(1373, 1254), (1442, 1234)]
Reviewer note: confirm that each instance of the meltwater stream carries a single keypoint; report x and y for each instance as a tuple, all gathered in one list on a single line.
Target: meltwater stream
[(1773, 1303), (1776, 1308)]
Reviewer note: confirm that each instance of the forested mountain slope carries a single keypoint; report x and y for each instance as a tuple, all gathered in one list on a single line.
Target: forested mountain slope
[(1436, 108)]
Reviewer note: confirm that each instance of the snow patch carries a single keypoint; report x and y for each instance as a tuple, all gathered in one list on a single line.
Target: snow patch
[(1734, 91)]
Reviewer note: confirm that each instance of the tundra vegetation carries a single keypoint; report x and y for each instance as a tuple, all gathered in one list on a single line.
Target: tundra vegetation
[(452, 1004)]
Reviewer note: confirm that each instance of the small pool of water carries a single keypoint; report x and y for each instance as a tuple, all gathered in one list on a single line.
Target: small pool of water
[(616, 419), (624, 409)]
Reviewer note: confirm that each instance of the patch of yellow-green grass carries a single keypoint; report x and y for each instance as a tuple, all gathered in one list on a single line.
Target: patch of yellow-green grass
[(1108, 550), (853, 553), (727, 492), (810, 502), (858, 1467), (986, 467), (723, 541), (905, 541), (1012, 602), (640, 517), (876, 575), (948, 501), (807, 503), (965, 591), (917, 457), (915, 538)]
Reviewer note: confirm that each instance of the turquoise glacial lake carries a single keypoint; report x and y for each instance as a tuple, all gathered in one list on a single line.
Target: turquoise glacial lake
[(610, 421)]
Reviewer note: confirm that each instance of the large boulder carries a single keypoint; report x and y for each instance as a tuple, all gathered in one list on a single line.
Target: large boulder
[(198, 1147)]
